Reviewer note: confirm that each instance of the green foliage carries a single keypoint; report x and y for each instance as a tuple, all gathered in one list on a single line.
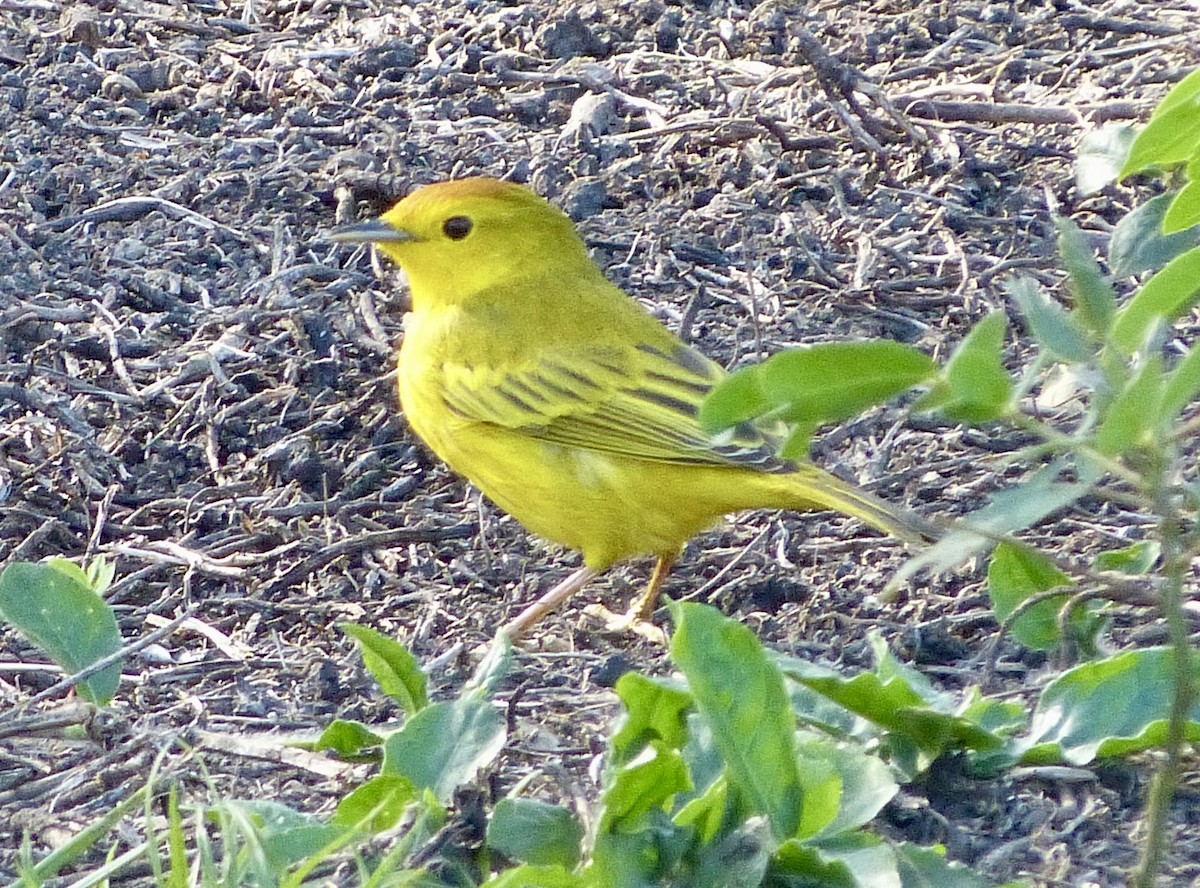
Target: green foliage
[(1135, 560), (81, 843), (60, 608), (897, 711), (928, 868), (445, 744), (1184, 212), (752, 769), (1095, 300), (1061, 333), (1164, 298), (741, 698), (1138, 244), (974, 386), (377, 805), (1007, 511), (1127, 437), (535, 832), (699, 796), (1111, 707), (1015, 575), (349, 740), (1172, 137), (812, 386), (270, 837), (652, 709), (393, 667)]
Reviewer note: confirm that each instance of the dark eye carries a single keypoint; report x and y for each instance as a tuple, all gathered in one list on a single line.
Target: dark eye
[(456, 227)]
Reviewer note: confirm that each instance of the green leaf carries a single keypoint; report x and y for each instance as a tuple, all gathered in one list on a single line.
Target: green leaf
[(1056, 331), (1007, 511), (863, 786), (638, 859), (854, 860), (815, 385), (177, 852), (991, 714), (535, 832), (736, 859), (445, 744), (833, 381), (928, 868), (1135, 560), (350, 740), (654, 710), (493, 668), (1182, 387), (283, 836), (818, 712), (1016, 574), (1185, 92), (396, 671), (1138, 243), (822, 787), (1095, 301), (100, 573), (88, 837), (901, 702), (535, 877), (377, 805), (800, 863), (735, 399), (1184, 211), (55, 606), (974, 387), (1167, 295), (1133, 418), (1102, 153), (799, 441), (706, 812), (645, 785), (740, 695), (1107, 708), (1173, 133)]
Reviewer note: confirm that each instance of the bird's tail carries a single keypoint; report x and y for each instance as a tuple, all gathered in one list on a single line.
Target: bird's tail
[(817, 489)]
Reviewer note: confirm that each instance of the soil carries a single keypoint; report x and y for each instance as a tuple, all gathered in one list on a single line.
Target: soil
[(198, 385)]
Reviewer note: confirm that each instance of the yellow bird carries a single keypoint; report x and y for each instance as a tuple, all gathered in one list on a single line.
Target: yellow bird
[(565, 402)]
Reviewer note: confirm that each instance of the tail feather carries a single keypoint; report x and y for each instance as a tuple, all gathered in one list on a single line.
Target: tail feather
[(817, 489)]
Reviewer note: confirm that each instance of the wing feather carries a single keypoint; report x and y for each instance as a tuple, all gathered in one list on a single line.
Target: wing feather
[(641, 402)]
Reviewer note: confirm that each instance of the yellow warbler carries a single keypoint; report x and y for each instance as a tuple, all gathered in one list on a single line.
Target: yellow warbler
[(561, 399)]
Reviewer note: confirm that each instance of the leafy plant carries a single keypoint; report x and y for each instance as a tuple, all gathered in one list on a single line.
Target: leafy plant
[(59, 607), (1129, 442), (740, 774), (752, 768)]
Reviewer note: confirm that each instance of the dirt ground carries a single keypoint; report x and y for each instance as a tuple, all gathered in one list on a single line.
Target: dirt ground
[(196, 383)]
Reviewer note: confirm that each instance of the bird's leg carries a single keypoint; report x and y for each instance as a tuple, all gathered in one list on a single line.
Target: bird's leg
[(643, 609), (526, 619), (637, 618)]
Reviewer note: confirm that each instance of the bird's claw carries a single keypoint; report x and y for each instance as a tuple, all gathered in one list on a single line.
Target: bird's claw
[(630, 621)]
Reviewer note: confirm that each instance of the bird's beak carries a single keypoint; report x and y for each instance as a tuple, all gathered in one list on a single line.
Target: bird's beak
[(374, 232)]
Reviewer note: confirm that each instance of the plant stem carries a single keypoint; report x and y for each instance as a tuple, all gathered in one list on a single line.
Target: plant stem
[(1166, 780), (1061, 442)]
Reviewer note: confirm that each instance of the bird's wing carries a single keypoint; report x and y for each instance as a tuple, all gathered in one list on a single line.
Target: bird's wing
[(638, 401)]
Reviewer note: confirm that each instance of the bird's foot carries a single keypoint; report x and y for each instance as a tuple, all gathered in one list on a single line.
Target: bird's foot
[(630, 621)]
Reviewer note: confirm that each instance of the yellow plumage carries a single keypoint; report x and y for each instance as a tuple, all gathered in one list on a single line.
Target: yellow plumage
[(560, 398)]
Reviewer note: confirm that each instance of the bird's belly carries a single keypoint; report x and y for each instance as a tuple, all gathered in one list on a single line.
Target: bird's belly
[(607, 506)]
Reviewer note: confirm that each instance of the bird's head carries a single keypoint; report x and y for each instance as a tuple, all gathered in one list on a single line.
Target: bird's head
[(458, 239)]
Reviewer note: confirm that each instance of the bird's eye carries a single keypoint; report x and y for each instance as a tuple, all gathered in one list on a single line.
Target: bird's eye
[(456, 227)]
